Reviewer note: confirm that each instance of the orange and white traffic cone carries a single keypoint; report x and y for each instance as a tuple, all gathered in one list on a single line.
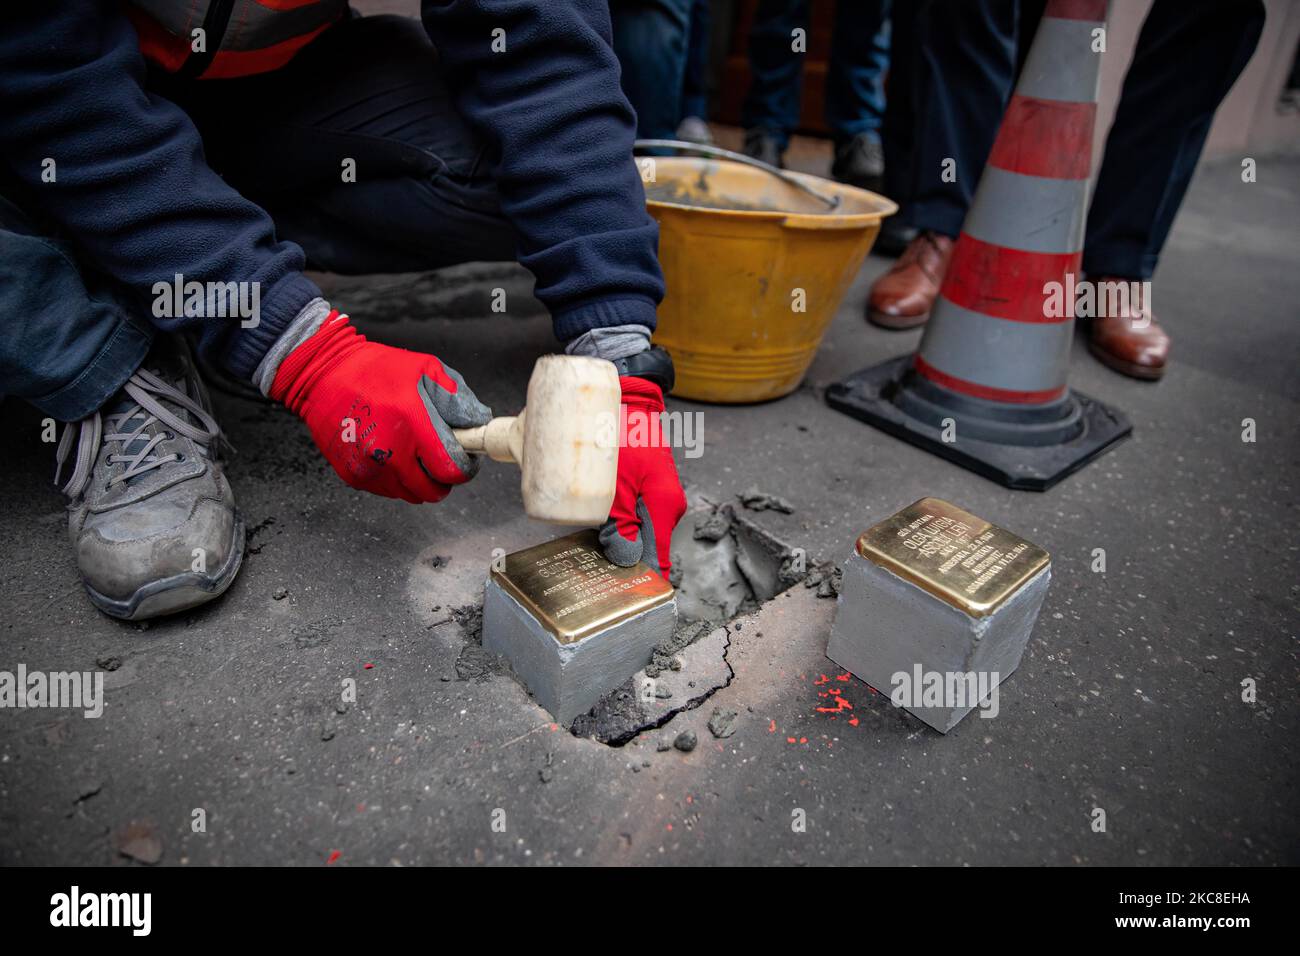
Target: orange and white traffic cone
[(987, 388)]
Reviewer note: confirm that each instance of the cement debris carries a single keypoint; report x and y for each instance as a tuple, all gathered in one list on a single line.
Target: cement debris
[(686, 741), (715, 525), (826, 578), (665, 653), (616, 718), (470, 619), (478, 665), (722, 723), (756, 500)]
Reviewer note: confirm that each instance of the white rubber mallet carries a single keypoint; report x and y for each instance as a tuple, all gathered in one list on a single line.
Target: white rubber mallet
[(565, 440)]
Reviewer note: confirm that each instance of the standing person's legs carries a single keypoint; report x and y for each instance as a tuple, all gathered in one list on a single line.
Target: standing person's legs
[(650, 38), (897, 126), (855, 91), (771, 109), (965, 71), (1187, 58), (695, 81), (855, 83), (357, 151), (963, 74)]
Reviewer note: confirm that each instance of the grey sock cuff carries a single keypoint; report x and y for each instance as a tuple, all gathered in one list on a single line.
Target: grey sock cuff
[(613, 342), (303, 327)]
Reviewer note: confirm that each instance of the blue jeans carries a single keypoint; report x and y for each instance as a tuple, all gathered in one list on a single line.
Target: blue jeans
[(695, 86), (855, 92), (70, 341), (650, 38), (366, 89)]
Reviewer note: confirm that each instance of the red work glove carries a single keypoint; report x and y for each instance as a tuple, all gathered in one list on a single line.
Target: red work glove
[(381, 416), (649, 500)]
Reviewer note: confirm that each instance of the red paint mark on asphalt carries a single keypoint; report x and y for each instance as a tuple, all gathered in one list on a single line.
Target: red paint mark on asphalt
[(771, 726), (836, 702), (840, 704), (333, 858)]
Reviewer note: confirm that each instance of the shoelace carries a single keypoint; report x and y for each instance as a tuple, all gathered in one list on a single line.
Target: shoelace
[(148, 391), (915, 252)]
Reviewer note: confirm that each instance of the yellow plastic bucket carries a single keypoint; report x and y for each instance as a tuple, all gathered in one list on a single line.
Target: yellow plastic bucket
[(751, 287)]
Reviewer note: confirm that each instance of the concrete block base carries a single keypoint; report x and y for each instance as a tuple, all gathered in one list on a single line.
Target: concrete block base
[(936, 658), (625, 613)]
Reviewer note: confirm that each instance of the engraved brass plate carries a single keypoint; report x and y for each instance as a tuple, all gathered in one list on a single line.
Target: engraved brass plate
[(573, 591), (957, 557)]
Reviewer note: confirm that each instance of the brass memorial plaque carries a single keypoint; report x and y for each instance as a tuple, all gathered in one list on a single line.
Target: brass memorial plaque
[(957, 557), (572, 591)]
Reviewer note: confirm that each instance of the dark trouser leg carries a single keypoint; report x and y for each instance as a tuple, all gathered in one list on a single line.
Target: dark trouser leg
[(855, 84), (964, 71), (650, 40), (695, 92), (776, 71), (1189, 54), (899, 122), (367, 91), (69, 343)]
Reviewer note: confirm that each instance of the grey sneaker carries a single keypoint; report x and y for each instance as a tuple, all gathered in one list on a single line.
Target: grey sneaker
[(693, 129), (760, 144), (151, 515), (860, 162)]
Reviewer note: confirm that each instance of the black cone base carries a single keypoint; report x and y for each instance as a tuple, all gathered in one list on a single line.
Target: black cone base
[(875, 395)]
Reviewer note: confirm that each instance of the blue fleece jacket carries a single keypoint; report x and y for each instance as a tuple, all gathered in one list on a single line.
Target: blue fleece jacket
[(132, 191)]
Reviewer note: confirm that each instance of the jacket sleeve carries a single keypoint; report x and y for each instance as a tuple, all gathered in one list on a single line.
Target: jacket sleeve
[(130, 188), (539, 79)]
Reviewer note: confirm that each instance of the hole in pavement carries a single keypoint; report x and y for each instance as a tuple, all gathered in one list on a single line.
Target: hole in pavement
[(724, 568)]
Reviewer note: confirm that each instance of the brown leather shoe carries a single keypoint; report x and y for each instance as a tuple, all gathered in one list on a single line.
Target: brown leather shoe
[(902, 297), (1131, 343)]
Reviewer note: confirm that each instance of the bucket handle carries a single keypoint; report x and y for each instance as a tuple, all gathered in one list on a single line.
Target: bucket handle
[(832, 202)]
